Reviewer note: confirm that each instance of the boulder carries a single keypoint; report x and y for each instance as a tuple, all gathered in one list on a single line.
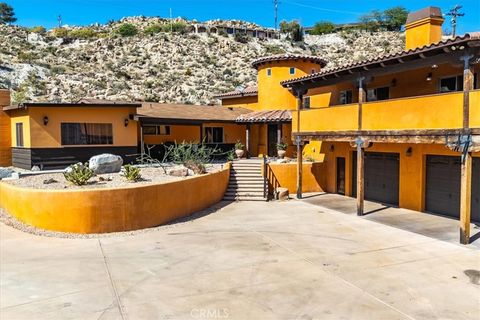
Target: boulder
[(178, 172), (282, 193), (105, 163), (5, 173)]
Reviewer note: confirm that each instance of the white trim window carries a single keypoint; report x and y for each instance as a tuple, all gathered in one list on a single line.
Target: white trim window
[(306, 102), (346, 97), (377, 94), (214, 135)]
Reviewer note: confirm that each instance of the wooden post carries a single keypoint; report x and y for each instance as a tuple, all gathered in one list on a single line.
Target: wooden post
[(142, 145), (465, 199), (298, 142), (467, 87), (279, 133), (361, 100), (247, 140), (201, 134), (360, 177)]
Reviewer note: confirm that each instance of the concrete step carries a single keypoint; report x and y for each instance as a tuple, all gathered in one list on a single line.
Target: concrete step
[(230, 198), (259, 188), (242, 167), (243, 194), (242, 171), (246, 174)]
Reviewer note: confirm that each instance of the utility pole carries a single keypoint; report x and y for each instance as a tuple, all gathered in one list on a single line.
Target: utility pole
[(275, 7), (171, 22), (454, 13), (59, 19)]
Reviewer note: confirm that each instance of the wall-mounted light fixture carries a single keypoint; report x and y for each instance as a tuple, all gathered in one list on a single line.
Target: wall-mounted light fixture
[(332, 148), (394, 82), (409, 152), (429, 76), (45, 120), (125, 122)]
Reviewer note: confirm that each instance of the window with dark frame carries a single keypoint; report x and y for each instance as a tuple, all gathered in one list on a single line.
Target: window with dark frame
[(156, 130), (19, 134), (86, 133), (346, 96), (213, 134), (269, 72), (451, 84), (377, 94), (292, 70), (306, 102)]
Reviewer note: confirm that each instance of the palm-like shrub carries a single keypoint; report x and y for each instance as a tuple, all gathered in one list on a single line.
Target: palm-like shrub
[(131, 173), (78, 174)]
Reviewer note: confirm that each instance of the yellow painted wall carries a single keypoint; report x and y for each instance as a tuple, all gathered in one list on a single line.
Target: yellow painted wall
[(232, 133), (475, 109), (412, 168), (423, 32), (285, 175), (244, 102), (112, 210), (20, 116), (327, 119), (271, 94), (38, 135), (5, 131)]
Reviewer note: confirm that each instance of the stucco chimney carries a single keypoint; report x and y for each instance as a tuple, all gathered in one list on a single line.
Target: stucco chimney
[(5, 131), (423, 27)]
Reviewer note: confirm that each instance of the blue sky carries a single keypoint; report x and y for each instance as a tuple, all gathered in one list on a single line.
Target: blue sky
[(84, 12)]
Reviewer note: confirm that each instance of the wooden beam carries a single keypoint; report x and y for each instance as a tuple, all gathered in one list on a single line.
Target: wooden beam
[(467, 87), (465, 199), (279, 133), (361, 100), (299, 149), (360, 179)]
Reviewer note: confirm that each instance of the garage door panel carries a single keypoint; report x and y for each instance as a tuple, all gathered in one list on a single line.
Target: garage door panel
[(443, 179), (381, 177)]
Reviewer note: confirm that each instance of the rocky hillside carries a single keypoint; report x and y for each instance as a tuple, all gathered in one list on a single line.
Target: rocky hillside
[(97, 62)]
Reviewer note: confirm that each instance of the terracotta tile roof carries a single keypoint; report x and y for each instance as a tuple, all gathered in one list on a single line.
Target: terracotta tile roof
[(79, 103), (288, 57), (247, 92), (266, 116), (399, 57), (188, 113)]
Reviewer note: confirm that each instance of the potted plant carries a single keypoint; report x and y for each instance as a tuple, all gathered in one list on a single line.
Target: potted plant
[(281, 150), (239, 149)]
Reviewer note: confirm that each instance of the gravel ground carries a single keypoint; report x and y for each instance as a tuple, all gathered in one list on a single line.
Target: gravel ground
[(112, 180), (13, 222)]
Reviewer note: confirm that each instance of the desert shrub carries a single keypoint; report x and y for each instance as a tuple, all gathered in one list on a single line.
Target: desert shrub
[(274, 49), (323, 27), (153, 29), (78, 174), (27, 57), (241, 37), (38, 29), (127, 30), (83, 33), (293, 29), (178, 27), (131, 173), (60, 32), (191, 155)]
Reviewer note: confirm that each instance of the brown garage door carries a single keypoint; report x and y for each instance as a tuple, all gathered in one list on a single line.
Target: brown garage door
[(381, 177), (442, 193)]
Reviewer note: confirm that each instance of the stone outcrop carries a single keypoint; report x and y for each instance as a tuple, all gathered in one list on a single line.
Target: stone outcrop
[(105, 163)]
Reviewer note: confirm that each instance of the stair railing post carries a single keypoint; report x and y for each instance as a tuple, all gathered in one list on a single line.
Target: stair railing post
[(265, 182)]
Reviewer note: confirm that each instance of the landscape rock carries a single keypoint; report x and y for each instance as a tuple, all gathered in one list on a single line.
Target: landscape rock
[(5, 173), (178, 172), (282, 194), (35, 168), (105, 163)]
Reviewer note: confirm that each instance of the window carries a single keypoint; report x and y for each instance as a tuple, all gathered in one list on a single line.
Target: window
[(86, 133), (313, 71), (19, 134), (213, 134), (292, 70), (306, 102), (269, 72), (346, 96), (451, 84), (159, 130), (376, 94)]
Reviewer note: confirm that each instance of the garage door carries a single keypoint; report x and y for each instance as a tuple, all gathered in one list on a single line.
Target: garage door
[(381, 177), (442, 194)]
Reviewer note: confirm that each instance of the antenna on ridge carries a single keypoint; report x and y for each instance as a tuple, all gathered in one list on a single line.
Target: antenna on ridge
[(59, 19), (275, 8), (454, 13)]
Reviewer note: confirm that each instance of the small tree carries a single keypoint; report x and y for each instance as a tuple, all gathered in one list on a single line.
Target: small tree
[(323, 27), (7, 15), (292, 28), (127, 30), (395, 18)]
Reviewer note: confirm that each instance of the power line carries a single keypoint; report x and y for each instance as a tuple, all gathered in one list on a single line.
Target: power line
[(322, 9), (454, 13)]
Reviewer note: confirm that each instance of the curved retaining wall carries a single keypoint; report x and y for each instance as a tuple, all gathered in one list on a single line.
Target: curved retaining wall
[(112, 210)]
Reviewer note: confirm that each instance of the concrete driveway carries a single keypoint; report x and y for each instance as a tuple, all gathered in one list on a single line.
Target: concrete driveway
[(290, 260)]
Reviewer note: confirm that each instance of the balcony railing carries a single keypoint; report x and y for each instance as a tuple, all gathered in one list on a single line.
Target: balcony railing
[(439, 111)]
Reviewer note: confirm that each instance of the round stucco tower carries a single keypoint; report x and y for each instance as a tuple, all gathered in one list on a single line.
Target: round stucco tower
[(274, 69)]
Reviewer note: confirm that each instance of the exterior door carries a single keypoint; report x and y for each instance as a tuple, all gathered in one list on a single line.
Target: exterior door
[(382, 181), (442, 194), (341, 175), (272, 140)]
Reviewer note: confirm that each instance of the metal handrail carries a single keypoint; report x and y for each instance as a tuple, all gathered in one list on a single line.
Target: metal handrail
[(265, 180)]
